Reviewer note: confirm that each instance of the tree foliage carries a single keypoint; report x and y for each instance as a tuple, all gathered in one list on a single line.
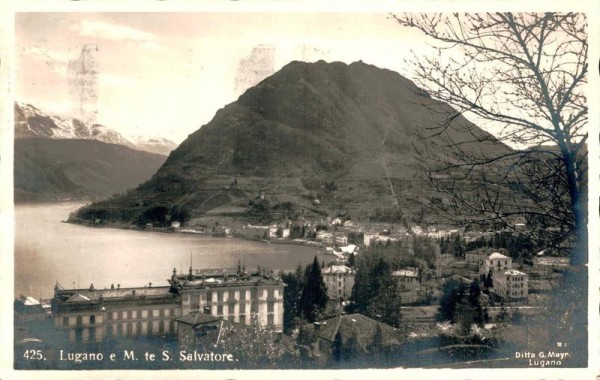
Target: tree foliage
[(314, 294), (523, 76), (375, 292)]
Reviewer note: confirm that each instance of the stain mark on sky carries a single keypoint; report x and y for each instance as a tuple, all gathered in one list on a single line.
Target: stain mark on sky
[(83, 82)]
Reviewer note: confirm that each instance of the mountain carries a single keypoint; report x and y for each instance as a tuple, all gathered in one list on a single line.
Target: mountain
[(153, 144), (52, 169), (31, 122), (310, 140)]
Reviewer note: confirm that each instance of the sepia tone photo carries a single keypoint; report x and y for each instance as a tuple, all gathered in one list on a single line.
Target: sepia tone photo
[(301, 190)]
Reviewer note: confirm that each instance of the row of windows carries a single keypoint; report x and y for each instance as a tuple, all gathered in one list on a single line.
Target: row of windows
[(242, 309), (135, 314), (220, 295), (137, 328), (79, 320), (517, 285), (517, 293)]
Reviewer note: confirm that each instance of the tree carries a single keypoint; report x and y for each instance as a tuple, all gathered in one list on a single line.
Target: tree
[(525, 75), (352, 260), (314, 294), (375, 292), (254, 345), (452, 294), (291, 298), (336, 350)]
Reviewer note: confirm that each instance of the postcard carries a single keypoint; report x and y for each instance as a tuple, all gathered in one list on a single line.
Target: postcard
[(242, 190)]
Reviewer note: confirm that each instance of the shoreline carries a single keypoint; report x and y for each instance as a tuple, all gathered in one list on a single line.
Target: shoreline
[(188, 231)]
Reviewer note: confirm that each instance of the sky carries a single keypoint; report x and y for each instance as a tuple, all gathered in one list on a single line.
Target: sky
[(166, 74)]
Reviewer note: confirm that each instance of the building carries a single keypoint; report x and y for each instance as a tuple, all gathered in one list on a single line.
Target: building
[(508, 283), (512, 285), (232, 294), (407, 279), (91, 315), (199, 330), (339, 280), (496, 262), (356, 331)]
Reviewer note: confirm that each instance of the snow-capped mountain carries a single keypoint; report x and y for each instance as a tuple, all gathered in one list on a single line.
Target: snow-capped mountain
[(31, 122), (153, 144)]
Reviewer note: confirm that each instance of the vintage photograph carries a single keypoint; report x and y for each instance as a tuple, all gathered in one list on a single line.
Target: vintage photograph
[(301, 190)]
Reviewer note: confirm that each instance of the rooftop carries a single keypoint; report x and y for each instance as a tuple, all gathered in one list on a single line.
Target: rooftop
[(86, 295), (226, 277), (338, 269), (408, 272), (497, 255), (198, 318), (514, 272), (358, 326)]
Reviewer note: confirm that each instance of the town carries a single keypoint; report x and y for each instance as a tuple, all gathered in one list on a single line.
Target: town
[(379, 293)]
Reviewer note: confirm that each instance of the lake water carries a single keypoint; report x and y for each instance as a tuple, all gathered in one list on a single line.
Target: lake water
[(47, 251)]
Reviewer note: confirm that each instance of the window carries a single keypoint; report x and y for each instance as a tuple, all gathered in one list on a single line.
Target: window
[(254, 307), (270, 307), (79, 321), (231, 295), (242, 319), (167, 312), (242, 307), (124, 315), (65, 321), (92, 319), (271, 293), (219, 296), (209, 296), (270, 320), (195, 301), (155, 312), (220, 310), (242, 295), (144, 313), (139, 328), (134, 314), (254, 294), (115, 315)]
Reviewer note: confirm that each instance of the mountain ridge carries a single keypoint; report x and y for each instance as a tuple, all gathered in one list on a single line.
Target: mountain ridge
[(343, 135), (32, 122)]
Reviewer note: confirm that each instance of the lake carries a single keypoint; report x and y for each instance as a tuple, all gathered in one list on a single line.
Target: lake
[(47, 251)]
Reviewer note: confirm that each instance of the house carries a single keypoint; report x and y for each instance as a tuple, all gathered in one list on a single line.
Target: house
[(339, 280), (512, 285), (508, 283), (496, 262), (407, 279), (356, 331), (199, 329)]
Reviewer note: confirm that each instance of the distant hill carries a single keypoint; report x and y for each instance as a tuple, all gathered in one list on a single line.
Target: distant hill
[(31, 122), (310, 140), (49, 170)]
